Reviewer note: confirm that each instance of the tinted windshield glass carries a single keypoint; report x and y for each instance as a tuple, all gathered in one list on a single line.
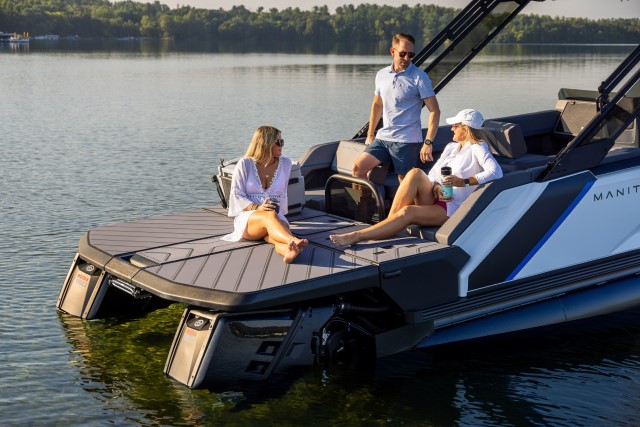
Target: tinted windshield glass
[(460, 41)]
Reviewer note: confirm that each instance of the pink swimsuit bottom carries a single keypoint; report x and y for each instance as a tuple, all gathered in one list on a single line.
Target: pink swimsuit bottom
[(440, 203)]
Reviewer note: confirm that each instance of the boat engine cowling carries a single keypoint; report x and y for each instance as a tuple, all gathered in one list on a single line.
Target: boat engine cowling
[(218, 349)]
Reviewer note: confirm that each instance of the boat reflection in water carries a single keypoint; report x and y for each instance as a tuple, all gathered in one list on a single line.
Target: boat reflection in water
[(121, 361), (124, 357)]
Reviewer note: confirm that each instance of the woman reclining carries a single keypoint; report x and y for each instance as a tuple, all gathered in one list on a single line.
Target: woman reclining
[(420, 198)]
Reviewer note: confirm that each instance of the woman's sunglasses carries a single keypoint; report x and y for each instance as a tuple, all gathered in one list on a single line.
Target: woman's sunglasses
[(280, 142)]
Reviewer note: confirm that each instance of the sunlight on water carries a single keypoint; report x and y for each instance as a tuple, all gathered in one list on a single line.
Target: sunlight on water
[(92, 138)]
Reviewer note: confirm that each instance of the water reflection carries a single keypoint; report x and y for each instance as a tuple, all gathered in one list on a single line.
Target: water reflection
[(122, 361), (14, 47), (526, 378), (537, 379), (160, 47)]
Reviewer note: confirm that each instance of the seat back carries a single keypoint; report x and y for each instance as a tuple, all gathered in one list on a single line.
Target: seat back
[(504, 139), (350, 197), (506, 142), (295, 188), (574, 116), (346, 155), (579, 107)]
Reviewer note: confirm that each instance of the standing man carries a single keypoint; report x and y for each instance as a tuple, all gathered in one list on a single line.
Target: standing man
[(401, 88)]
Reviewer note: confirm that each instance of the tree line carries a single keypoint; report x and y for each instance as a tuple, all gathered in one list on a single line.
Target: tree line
[(363, 24)]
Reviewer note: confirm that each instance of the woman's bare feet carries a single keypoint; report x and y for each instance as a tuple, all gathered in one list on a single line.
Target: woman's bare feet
[(294, 248), (292, 252), (301, 243), (346, 239)]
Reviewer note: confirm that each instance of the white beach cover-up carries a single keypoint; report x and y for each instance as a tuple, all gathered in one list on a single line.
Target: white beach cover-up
[(246, 189)]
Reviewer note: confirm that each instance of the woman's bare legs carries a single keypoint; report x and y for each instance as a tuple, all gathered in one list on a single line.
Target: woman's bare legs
[(394, 223), (415, 189), (266, 225), (413, 204)]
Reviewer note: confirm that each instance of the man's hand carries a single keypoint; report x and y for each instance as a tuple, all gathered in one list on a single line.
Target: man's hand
[(425, 153)]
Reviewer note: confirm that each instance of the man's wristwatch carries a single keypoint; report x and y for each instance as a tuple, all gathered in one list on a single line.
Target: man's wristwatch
[(427, 142), (466, 182)]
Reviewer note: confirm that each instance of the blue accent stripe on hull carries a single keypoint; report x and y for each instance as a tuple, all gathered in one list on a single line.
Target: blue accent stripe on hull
[(552, 230), (530, 232)]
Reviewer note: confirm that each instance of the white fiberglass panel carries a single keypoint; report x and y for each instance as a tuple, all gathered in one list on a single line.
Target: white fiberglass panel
[(605, 221), (493, 224)]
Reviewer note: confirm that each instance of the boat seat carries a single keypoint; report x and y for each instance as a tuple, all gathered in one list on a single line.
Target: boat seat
[(579, 107), (575, 115), (345, 195), (506, 142), (295, 187), (346, 155), (504, 139), (423, 232)]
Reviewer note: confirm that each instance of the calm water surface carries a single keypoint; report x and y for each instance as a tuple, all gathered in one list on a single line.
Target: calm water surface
[(96, 137)]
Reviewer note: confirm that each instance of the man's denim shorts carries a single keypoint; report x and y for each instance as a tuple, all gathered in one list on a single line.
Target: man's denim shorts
[(404, 155)]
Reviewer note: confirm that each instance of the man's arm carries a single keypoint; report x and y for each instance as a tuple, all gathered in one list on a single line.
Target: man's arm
[(374, 118), (434, 121)]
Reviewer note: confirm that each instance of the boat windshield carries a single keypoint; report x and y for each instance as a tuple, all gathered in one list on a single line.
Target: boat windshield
[(464, 37)]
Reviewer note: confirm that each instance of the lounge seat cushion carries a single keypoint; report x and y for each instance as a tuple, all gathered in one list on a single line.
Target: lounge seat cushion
[(504, 139)]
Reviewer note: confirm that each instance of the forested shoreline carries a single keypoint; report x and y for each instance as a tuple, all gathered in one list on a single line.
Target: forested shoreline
[(365, 23)]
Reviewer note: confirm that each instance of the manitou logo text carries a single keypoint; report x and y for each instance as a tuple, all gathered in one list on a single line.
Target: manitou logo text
[(618, 192)]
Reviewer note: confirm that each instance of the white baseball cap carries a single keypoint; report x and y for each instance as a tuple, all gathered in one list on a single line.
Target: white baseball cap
[(469, 117)]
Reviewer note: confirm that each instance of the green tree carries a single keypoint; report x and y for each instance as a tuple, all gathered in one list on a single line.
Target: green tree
[(363, 25)]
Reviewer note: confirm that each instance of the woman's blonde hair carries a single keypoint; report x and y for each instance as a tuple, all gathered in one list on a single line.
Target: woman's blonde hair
[(263, 139), (475, 135)]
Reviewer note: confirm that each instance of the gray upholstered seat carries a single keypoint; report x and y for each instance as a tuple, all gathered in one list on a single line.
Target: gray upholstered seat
[(506, 142), (346, 189), (346, 155)]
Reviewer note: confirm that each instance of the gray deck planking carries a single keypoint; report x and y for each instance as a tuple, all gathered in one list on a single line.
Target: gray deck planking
[(158, 231), (255, 268), (184, 259)]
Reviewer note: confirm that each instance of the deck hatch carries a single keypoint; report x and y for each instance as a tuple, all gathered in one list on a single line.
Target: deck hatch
[(159, 231)]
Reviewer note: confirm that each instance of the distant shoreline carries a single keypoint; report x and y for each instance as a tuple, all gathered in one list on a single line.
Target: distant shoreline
[(362, 24), (155, 46)]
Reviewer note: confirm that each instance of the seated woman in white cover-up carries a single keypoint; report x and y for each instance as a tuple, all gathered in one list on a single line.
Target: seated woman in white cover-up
[(420, 198), (258, 187)]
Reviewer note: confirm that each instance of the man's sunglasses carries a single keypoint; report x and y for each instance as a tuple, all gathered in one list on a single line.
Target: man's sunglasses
[(280, 142), (410, 54)]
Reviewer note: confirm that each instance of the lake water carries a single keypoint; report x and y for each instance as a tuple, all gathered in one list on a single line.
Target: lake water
[(92, 137)]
